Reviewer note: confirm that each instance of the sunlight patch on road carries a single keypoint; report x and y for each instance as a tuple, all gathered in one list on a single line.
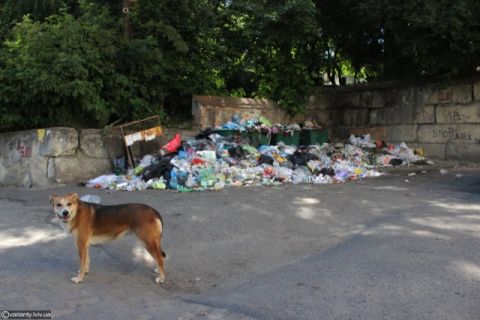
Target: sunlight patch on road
[(456, 206), (390, 188), (307, 213), (140, 254), (468, 269), (398, 230), (305, 201), (28, 236), (455, 223)]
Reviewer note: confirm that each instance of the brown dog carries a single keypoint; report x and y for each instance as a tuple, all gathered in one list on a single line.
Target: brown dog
[(93, 224)]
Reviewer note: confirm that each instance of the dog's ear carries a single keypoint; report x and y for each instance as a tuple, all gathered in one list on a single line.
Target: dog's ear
[(52, 197), (74, 196)]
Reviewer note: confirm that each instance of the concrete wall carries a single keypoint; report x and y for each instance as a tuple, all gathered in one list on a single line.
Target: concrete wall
[(443, 119), (36, 158), (215, 111)]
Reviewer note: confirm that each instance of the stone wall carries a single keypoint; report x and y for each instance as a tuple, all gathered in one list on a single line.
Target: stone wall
[(444, 119), (38, 158), (210, 111)]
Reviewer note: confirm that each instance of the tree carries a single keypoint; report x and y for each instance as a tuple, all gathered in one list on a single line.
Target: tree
[(70, 61), (406, 39), (69, 71), (280, 53)]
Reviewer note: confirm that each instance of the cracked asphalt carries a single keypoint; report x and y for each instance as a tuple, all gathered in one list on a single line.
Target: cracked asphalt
[(396, 247)]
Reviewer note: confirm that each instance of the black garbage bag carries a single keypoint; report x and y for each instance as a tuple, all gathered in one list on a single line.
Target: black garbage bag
[(301, 158), (265, 159), (237, 153), (204, 134), (159, 169), (328, 172), (396, 162)]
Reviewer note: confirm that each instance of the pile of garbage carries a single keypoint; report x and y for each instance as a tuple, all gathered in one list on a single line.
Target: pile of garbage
[(262, 124), (213, 162)]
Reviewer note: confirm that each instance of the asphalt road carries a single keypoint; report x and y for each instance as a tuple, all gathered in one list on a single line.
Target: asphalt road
[(395, 247)]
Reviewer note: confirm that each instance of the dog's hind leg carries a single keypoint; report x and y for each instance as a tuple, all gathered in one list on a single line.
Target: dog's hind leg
[(157, 253), (150, 234)]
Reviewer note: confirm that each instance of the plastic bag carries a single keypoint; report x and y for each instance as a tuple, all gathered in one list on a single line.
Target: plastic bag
[(173, 178), (208, 155), (102, 182), (90, 198), (207, 177), (174, 144)]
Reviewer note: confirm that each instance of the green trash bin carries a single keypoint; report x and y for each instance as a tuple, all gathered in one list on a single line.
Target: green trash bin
[(290, 138), (260, 138), (313, 136), (229, 132)]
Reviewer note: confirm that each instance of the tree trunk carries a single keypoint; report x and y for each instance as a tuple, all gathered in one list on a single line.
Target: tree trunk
[(127, 27)]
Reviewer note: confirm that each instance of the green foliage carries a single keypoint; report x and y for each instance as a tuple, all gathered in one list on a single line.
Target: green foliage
[(77, 71), (186, 35), (406, 39), (86, 63), (281, 54)]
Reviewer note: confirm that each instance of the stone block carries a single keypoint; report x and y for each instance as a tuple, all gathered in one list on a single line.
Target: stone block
[(319, 100), (21, 165), (59, 142), (425, 114), (402, 98), (458, 114), (91, 143), (395, 115), (423, 94), (94, 143), (371, 99), (25, 173), (476, 90), (355, 117), (461, 93), (338, 133), (74, 169), (378, 117), (401, 114), (463, 151), (444, 133), (402, 133), (211, 111), (326, 118), (365, 99)]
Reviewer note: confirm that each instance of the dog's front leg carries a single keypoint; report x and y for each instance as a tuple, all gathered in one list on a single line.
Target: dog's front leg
[(82, 246)]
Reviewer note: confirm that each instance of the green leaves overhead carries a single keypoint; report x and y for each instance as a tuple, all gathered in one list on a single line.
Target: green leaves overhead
[(72, 62)]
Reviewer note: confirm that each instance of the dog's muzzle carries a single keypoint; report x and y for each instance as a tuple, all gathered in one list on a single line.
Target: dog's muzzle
[(64, 215)]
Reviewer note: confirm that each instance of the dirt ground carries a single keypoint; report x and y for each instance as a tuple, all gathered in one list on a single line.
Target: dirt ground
[(396, 247)]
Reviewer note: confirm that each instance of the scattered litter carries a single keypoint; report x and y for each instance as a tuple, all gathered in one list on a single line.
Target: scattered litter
[(459, 175), (90, 198), (214, 160), (411, 174), (443, 171)]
